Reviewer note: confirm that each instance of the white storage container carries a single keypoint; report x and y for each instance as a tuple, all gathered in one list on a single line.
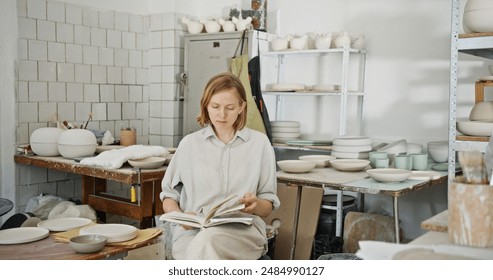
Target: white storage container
[(43, 141), (75, 143)]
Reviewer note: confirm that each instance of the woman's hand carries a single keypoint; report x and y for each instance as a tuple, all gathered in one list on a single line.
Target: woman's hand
[(250, 201)]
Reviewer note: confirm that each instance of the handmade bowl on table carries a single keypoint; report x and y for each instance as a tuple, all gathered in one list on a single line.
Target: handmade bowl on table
[(87, 244)]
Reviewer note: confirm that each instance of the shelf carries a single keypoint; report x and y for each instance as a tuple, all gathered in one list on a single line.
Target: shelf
[(477, 44), (473, 138), (310, 93), (311, 52)]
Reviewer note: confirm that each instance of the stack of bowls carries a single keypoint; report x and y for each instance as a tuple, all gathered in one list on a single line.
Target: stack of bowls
[(477, 16), (283, 131), (351, 147), (480, 122), (438, 151)]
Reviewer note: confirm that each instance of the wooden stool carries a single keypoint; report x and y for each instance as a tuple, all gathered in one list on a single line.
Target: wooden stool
[(479, 89)]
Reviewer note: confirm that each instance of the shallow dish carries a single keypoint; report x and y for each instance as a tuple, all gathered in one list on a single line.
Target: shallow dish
[(114, 232), (296, 166), (355, 155), (22, 235), (64, 224), (320, 160), (86, 244), (352, 141), (475, 128), (147, 163), (349, 164), (389, 174)]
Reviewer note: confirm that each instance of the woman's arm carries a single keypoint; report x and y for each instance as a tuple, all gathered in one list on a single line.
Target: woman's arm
[(255, 205), (170, 205)]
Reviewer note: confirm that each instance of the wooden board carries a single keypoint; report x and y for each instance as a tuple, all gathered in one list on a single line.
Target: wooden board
[(363, 226), (474, 35)]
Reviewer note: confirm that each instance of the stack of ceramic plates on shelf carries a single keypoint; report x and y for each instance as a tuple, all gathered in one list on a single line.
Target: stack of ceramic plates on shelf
[(351, 147), (283, 131), (114, 232)]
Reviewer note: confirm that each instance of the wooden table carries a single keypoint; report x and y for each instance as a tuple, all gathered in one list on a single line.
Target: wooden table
[(49, 249), (94, 181)]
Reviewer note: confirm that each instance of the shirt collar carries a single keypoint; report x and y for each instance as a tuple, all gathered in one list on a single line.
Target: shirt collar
[(243, 134)]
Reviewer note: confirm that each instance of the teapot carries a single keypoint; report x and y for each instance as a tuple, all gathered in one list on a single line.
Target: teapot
[(242, 24), (193, 27), (228, 25), (211, 26)]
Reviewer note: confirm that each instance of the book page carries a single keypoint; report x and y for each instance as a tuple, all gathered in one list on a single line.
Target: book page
[(223, 206), (184, 219)]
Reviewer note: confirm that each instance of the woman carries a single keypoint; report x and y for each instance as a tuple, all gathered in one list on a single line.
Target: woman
[(224, 158)]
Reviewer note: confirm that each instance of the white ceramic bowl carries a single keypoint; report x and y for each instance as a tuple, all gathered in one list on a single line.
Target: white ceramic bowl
[(349, 164), (479, 20), (73, 143), (88, 243), (276, 129), (349, 155), (351, 149), (414, 148), (296, 166), (482, 111), (290, 135), (279, 44), (43, 141), (352, 141), (148, 163), (478, 5), (320, 160), (389, 174), (438, 151), (285, 124), (475, 128)]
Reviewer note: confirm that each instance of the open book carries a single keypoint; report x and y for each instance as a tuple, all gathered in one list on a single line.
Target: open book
[(224, 212)]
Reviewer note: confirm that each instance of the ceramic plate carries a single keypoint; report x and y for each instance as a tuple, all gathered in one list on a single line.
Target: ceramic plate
[(22, 235), (356, 155), (424, 175), (351, 149), (285, 124), (320, 160), (148, 163), (352, 141), (389, 174), (296, 166), (349, 164), (64, 224), (114, 232)]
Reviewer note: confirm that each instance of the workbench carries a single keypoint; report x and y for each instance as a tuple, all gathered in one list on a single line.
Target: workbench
[(94, 181)]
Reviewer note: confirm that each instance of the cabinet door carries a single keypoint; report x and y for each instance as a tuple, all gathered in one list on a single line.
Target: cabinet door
[(204, 59)]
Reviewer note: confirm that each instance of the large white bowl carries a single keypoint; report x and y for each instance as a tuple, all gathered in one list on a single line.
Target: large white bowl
[(482, 111), (389, 174), (479, 20), (438, 151), (148, 163), (73, 143), (43, 141), (475, 128), (296, 166), (352, 141), (472, 5), (320, 160), (349, 164), (351, 149)]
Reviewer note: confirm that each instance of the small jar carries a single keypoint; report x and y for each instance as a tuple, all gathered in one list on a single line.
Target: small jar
[(128, 137)]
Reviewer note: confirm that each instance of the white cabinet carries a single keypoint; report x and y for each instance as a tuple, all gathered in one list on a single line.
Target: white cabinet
[(344, 58)]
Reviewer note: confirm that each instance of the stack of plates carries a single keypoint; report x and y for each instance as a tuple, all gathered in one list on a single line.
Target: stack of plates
[(114, 232), (283, 131), (351, 147)]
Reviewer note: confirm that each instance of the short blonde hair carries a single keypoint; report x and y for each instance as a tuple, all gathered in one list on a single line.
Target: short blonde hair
[(220, 83)]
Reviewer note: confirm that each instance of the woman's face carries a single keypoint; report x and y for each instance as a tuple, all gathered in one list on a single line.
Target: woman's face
[(224, 108)]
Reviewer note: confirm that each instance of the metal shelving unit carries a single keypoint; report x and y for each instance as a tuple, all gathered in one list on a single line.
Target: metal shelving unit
[(477, 44)]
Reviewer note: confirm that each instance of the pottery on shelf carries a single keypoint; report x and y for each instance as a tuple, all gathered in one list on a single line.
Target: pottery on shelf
[(323, 41), (279, 44), (211, 26), (227, 25), (343, 40), (193, 27), (242, 24), (297, 42), (477, 16)]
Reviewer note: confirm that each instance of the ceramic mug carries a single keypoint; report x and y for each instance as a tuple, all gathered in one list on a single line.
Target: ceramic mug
[(403, 162), (382, 163), (373, 156), (420, 161)]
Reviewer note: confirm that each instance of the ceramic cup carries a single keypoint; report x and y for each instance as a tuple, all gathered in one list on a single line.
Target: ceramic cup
[(420, 161), (373, 156), (382, 163), (403, 162)]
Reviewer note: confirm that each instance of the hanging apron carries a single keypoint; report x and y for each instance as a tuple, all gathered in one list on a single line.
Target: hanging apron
[(239, 68)]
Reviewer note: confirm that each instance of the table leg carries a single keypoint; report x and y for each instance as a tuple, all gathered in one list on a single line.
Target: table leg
[(396, 220), (339, 213)]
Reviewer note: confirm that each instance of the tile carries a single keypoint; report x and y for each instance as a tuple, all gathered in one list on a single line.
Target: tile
[(73, 14), (169, 74), (155, 126), (107, 93), (168, 56), (155, 40), (114, 75), (146, 23), (46, 111), (98, 74), (66, 111), (48, 188), (26, 192), (57, 92), (91, 93), (55, 11), (108, 126), (122, 21), (135, 58), (22, 8), (135, 93), (145, 93), (90, 55), (142, 76), (128, 111), (145, 59), (37, 50), (114, 111), (106, 56), (156, 22), (28, 70), (22, 49), (170, 91), (98, 37), (135, 23), (168, 38), (170, 21), (82, 35), (128, 76), (66, 189), (66, 72), (155, 109), (36, 9), (155, 57), (22, 133), (27, 28), (114, 38), (22, 91), (107, 19), (121, 58), (47, 71), (38, 91), (75, 92), (171, 127), (82, 110), (171, 109), (121, 93), (27, 112), (56, 52), (128, 40), (90, 17), (155, 74), (142, 41), (46, 30), (142, 110), (99, 111), (83, 73), (64, 32), (73, 53), (155, 92)]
